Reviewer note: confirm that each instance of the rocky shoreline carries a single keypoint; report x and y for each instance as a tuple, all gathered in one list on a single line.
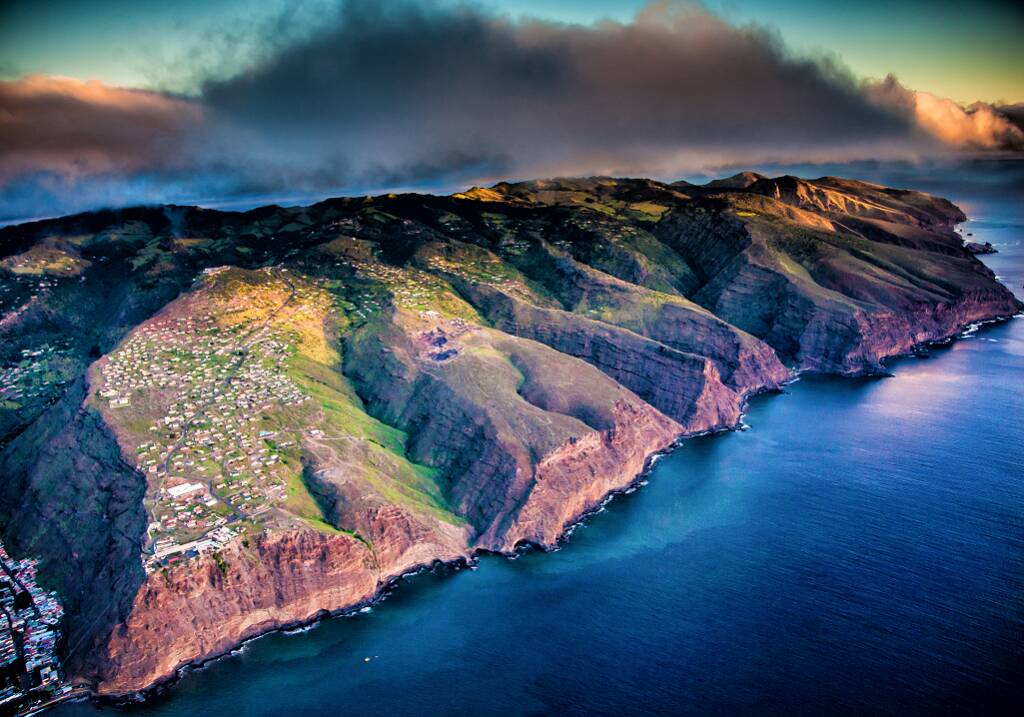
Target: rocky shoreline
[(470, 560), (452, 377), (166, 682)]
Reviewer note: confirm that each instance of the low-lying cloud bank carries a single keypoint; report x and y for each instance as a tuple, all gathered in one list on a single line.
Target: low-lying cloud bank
[(76, 128), (981, 126), (395, 92)]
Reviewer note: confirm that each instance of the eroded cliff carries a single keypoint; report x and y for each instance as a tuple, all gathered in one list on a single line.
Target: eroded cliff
[(215, 424)]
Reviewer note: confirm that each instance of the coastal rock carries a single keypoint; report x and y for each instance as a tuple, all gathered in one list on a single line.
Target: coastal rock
[(826, 296), (206, 607), (384, 383), (979, 248)]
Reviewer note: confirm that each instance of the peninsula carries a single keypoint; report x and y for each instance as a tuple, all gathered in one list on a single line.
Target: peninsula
[(214, 424)]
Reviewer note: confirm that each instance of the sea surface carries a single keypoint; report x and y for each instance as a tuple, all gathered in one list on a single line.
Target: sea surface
[(858, 550)]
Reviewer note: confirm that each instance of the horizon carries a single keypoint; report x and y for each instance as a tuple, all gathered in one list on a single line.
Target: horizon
[(898, 175)]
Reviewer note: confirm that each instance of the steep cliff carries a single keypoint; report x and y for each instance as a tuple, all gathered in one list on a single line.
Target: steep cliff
[(213, 424), (206, 607), (826, 293)]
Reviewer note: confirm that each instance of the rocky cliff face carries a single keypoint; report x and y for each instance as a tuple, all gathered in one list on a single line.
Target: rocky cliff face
[(67, 495), (209, 605), (835, 275), (682, 385), (364, 387)]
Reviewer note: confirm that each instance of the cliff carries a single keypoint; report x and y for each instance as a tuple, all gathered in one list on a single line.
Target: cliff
[(278, 580), (214, 424)]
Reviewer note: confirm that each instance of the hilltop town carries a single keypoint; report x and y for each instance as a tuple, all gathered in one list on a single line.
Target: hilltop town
[(207, 408), (201, 399)]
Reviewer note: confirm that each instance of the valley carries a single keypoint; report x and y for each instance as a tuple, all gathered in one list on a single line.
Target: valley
[(214, 424)]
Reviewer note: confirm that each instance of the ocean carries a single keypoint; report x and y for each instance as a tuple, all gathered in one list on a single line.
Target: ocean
[(859, 549)]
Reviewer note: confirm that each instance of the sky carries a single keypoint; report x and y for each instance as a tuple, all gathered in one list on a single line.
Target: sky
[(963, 50), (106, 103)]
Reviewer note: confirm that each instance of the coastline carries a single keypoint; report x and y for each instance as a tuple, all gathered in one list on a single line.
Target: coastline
[(882, 341), (471, 559)]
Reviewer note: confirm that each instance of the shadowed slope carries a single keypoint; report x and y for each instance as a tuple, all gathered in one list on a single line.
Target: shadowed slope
[(360, 388)]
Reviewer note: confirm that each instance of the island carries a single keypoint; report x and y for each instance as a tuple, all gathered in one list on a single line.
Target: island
[(214, 424)]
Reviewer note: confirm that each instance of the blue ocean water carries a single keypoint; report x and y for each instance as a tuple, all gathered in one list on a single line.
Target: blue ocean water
[(858, 550)]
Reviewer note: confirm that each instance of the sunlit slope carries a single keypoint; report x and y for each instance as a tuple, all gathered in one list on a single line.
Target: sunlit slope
[(229, 422), (234, 386)]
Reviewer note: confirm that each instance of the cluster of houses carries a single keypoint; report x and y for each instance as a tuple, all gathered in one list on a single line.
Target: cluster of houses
[(17, 289), (490, 273), (198, 396), (43, 260), (409, 288), (29, 616), (33, 375), (167, 552), (511, 242), (363, 306), (405, 288)]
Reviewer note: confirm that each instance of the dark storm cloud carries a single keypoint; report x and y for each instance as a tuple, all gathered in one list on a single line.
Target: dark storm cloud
[(1013, 113), (397, 85), (398, 92)]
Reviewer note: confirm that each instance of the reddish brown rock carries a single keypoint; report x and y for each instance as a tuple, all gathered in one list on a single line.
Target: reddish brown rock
[(205, 607), (523, 350)]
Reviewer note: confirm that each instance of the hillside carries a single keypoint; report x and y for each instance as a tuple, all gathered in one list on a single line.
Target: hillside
[(213, 423)]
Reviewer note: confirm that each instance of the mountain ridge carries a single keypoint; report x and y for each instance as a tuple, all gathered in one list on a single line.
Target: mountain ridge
[(367, 386)]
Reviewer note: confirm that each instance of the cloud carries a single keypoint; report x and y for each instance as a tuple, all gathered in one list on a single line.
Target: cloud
[(1013, 113), (398, 92), (76, 129), (979, 127), (400, 88)]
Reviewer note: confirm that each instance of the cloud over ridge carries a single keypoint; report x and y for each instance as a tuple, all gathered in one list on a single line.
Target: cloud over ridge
[(398, 92)]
